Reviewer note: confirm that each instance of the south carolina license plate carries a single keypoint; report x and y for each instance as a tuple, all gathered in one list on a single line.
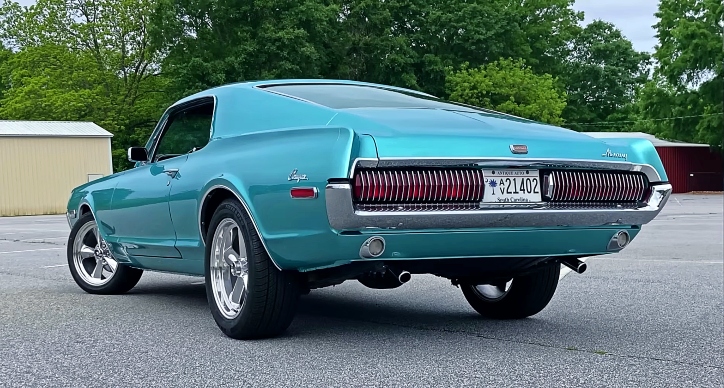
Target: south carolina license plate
[(511, 185)]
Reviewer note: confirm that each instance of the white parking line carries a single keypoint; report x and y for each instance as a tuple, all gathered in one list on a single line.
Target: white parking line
[(665, 260), (39, 239), (32, 230), (31, 250), (54, 266)]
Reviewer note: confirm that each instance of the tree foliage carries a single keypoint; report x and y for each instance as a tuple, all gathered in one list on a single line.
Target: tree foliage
[(511, 87), (85, 60), (120, 63), (603, 75), (209, 43), (691, 62)]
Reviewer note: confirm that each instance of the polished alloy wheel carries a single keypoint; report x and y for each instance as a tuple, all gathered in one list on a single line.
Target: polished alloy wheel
[(229, 268), (92, 256), (493, 292)]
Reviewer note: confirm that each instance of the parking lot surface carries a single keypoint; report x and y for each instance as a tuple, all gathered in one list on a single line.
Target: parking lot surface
[(650, 316)]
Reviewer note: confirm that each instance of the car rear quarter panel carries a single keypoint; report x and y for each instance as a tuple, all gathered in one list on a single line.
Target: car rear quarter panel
[(640, 151), (256, 167)]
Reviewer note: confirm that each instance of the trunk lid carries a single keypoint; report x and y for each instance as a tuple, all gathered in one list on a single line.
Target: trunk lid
[(423, 133)]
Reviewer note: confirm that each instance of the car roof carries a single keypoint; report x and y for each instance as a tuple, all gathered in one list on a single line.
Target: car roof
[(301, 81)]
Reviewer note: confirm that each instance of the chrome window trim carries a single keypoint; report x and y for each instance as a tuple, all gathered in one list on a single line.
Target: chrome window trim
[(248, 212), (152, 143), (647, 169), (343, 216)]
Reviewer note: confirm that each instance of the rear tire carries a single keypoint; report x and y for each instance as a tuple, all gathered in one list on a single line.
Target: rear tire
[(525, 296), (235, 257), (92, 264)]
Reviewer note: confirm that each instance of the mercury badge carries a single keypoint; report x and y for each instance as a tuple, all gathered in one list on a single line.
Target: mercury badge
[(618, 155), (297, 177), (519, 148)]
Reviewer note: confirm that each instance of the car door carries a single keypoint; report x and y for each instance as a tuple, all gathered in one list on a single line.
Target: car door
[(140, 217)]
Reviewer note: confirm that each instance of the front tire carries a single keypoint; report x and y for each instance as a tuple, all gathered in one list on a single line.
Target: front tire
[(521, 297), (92, 264), (248, 296)]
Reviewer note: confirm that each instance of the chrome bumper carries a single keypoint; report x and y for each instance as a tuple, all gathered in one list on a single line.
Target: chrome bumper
[(343, 216)]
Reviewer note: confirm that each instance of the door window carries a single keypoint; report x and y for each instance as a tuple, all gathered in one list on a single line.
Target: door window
[(186, 131)]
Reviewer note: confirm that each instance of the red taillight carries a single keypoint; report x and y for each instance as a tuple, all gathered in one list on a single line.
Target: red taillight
[(597, 186), (419, 186), (303, 192)]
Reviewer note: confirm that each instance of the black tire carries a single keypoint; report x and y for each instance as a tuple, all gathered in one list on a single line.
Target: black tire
[(528, 295), (123, 279), (271, 297)]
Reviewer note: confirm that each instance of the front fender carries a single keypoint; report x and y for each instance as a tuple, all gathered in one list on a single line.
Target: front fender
[(97, 196)]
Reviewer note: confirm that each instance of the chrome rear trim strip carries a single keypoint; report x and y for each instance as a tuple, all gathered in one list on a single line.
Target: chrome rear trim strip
[(647, 169), (342, 215)]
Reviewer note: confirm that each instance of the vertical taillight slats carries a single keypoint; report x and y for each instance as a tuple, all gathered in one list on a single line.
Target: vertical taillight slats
[(418, 185), (589, 186), (466, 185)]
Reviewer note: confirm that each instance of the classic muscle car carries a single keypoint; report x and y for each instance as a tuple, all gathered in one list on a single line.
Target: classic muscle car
[(270, 189)]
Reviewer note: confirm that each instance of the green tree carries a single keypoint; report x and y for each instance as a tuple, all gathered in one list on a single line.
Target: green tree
[(690, 54), (549, 27), (52, 83), (407, 43), (84, 60), (5, 56), (411, 43), (209, 43), (604, 73), (511, 87)]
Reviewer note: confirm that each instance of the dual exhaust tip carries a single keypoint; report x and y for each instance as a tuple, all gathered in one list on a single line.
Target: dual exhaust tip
[(619, 241), (372, 247), (375, 247)]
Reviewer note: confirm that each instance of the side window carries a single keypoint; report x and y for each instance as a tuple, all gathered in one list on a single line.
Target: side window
[(186, 131)]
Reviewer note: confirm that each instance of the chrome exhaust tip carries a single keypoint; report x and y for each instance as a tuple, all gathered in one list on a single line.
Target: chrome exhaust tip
[(575, 265), (619, 241), (372, 247), (404, 277)]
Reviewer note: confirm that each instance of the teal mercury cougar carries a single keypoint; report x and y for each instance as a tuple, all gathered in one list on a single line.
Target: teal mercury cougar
[(270, 189)]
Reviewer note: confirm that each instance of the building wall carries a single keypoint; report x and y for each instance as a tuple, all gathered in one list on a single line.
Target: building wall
[(693, 168), (38, 173)]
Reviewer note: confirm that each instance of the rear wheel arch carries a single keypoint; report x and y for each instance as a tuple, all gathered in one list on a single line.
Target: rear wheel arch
[(84, 209), (211, 200), (215, 196)]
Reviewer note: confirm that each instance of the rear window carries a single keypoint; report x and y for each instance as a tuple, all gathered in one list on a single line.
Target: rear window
[(339, 96)]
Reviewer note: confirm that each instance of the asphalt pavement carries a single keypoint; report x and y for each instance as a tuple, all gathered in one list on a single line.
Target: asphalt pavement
[(650, 316)]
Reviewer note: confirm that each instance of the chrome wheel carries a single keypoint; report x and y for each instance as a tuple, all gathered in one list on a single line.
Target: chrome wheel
[(229, 268), (493, 292), (92, 257)]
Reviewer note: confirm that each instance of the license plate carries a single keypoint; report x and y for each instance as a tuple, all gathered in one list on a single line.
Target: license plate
[(511, 186)]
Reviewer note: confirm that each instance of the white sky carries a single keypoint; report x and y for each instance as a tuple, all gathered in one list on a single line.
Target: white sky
[(633, 17)]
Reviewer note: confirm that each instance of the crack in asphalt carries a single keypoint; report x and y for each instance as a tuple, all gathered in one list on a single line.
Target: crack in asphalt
[(539, 344), (32, 242)]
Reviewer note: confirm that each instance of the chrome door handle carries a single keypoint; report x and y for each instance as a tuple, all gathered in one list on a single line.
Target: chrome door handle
[(171, 172)]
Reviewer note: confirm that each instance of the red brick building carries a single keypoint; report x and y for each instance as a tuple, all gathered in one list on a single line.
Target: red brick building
[(690, 167)]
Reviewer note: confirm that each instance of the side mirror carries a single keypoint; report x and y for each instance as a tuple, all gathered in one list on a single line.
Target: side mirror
[(137, 154)]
